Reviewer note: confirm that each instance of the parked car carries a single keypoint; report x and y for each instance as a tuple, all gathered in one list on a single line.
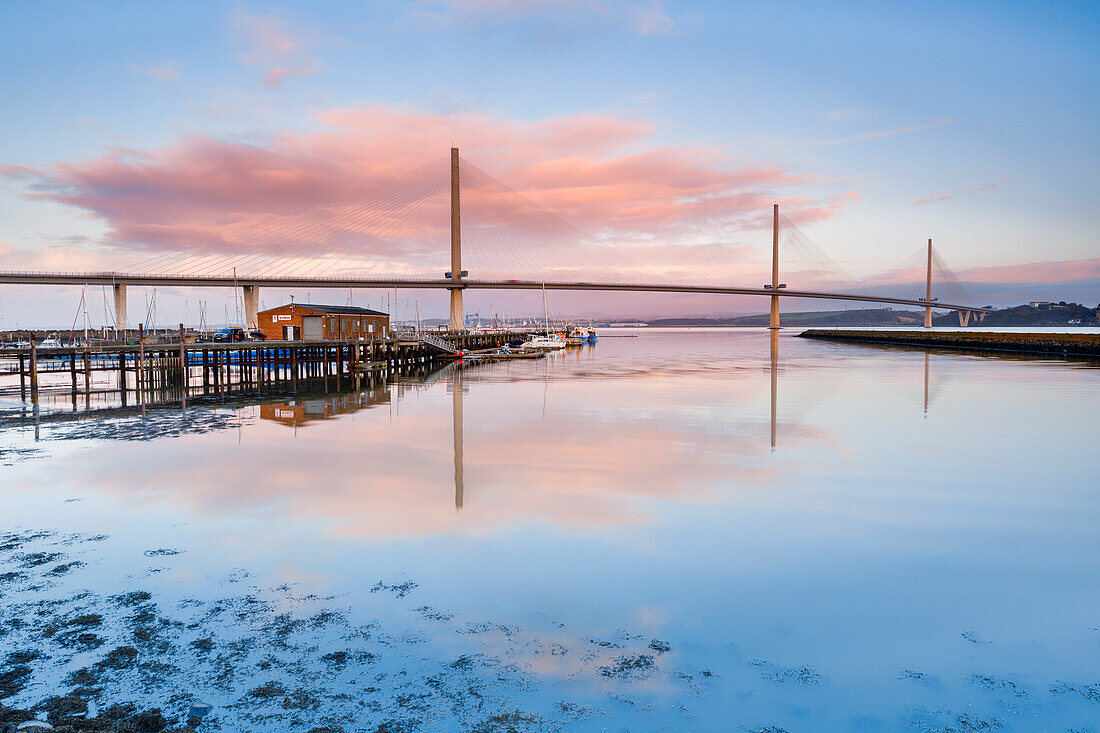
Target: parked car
[(230, 334), (257, 335)]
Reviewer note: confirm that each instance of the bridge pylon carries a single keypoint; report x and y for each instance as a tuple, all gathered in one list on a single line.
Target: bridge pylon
[(458, 312), (928, 289), (773, 321), (120, 307)]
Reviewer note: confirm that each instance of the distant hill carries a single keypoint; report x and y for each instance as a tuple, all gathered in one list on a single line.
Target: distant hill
[(1023, 315), (866, 317), (1048, 315)]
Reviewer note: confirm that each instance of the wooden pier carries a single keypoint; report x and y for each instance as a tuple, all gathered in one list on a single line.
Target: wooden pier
[(173, 372)]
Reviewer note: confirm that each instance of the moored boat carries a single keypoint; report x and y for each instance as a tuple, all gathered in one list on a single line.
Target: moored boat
[(544, 343)]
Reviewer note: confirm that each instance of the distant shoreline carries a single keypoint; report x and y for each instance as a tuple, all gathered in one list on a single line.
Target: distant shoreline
[(1060, 344)]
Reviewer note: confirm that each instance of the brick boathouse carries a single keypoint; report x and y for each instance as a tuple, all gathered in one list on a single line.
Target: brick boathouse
[(302, 322)]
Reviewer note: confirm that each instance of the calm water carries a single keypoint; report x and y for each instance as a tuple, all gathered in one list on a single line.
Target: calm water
[(609, 542)]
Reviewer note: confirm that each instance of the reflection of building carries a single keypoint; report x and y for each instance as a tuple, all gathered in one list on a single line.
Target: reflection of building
[(298, 322), (299, 411)]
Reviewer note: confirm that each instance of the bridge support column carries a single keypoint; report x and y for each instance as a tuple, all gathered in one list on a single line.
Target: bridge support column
[(120, 308), (964, 318), (928, 290), (251, 305), (458, 312), (773, 321)]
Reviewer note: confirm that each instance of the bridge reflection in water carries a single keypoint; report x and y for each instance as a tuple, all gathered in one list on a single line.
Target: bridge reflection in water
[(577, 451)]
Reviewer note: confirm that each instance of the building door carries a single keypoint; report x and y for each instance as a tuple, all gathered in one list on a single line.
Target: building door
[(311, 328), (291, 333)]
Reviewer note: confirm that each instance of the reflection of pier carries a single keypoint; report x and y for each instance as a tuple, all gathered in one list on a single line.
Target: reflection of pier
[(300, 411)]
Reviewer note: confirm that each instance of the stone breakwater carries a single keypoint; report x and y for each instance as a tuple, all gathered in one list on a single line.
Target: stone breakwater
[(1061, 344)]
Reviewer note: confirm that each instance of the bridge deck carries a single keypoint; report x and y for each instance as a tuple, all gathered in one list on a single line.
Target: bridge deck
[(118, 278)]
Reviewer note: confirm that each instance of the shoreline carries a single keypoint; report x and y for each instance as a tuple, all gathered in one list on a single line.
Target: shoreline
[(1060, 344)]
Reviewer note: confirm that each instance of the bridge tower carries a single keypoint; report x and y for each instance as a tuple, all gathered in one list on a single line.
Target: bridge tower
[(120, 307), (773, 322), (928, 289), (458, 312)]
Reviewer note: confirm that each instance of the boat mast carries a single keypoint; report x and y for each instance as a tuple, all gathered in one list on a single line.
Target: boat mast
[(545, 319)]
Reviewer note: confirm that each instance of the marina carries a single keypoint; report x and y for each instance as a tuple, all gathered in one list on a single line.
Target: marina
[(159, 371)]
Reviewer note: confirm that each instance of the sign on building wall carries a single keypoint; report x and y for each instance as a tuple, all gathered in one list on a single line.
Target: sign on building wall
[(277, 318)]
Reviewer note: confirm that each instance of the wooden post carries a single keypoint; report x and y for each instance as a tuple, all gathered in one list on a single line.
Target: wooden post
[(87, 372), (22, 377), (72, 371), (141, 376), (34, 370), (205, 371), (294, 368), (122, 374), (324, 365), (183, 371)]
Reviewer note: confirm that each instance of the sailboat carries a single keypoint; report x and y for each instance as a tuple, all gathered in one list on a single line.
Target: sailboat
[(546, 342)]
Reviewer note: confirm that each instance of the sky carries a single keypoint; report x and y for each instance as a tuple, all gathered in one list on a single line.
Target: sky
[(645, 134)]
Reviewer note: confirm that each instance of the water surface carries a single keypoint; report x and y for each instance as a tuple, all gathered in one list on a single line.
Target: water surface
[(671, 530)]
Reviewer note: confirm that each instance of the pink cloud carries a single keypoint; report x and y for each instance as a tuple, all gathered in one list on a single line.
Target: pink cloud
[(335, 191), (167, 73), (878, 134), (642, 17), (1035, 272), (941, 196), (272, 45)]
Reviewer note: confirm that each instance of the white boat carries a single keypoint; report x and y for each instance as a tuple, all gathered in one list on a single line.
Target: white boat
[(544, 343), (51, 342), (549, 342)]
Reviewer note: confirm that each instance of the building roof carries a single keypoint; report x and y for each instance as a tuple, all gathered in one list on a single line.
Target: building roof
[(350, 310)]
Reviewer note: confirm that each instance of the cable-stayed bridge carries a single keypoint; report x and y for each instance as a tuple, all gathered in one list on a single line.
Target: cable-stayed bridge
[(509, 242)]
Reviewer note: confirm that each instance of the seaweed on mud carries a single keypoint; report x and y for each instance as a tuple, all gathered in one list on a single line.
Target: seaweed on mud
[(629, 666), (337, 660), (11, 576), (948, 722), (162, 552), (75, 633), (28, 655), (802, 675), (605, 644), (133, 598), (661, 647), (1089, 692), (575, 711), (399, 590), (992, 683), (325, 618), (65, 567), (432, 614), (13, 680), (510, 722), (267, 690), (397, 726), (15, 540), (203, 645), (34, 559), (973, 638), (300, 699), (118, 658)]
